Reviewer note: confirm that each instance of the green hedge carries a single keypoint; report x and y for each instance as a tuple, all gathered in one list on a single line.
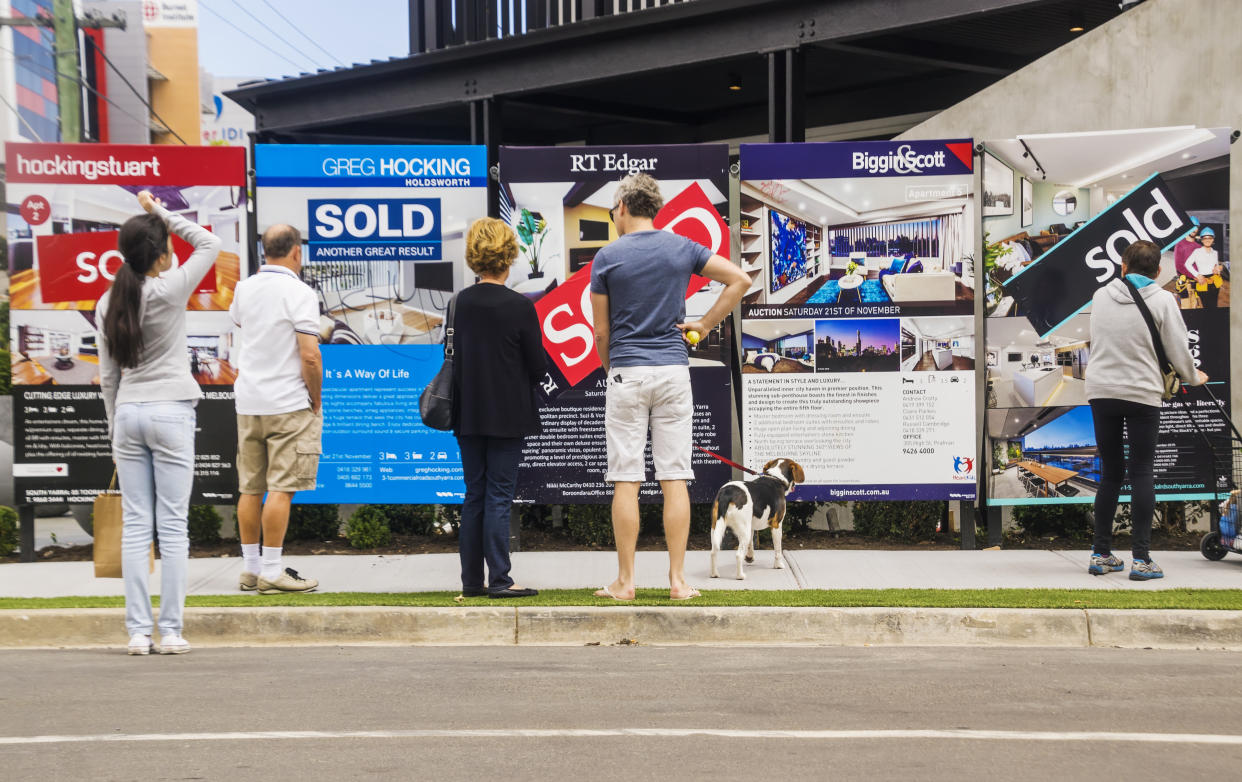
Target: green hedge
[(204, 525), (8, 531), (6, 371), (411, 519), (590, 525), (368, 528), (903, 521), (1075, 522), (314, 522)]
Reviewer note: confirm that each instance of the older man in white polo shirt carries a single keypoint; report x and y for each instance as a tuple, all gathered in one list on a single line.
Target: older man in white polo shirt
[(279, 421)]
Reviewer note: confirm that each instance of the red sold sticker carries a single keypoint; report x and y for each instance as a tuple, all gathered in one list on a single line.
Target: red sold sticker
[(565, 317), (81, 267), (691, 214), (565, 312)]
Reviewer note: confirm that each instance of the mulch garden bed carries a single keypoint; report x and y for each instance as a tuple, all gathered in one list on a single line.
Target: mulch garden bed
[(555, 540)]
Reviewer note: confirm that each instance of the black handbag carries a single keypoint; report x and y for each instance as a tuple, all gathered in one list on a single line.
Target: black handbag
[(435, 405), (1172, 380)]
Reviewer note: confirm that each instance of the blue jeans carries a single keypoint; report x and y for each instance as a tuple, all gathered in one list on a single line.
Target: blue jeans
[(153, 444), (490, 465)]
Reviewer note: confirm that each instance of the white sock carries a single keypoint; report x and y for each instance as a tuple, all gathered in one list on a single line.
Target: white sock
[(250, 557), (271, 563)]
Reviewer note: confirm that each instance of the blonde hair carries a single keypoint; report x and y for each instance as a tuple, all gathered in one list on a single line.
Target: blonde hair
[(491, 246), (641, 195)]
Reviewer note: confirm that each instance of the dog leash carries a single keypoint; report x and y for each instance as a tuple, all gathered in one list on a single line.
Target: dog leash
[(727, 461)]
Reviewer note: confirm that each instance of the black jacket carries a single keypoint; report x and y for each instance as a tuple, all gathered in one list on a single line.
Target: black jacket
[(499, 361)]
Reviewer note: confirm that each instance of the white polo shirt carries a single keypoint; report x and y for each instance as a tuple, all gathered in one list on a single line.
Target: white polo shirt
[(270, 309)]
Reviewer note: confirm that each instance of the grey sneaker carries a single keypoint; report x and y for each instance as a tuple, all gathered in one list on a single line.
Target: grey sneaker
[(139, 644), (1101, 565), (288, 581), (1145, 570), (248, 582)]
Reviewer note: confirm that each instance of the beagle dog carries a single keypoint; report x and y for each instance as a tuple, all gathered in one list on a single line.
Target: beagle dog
[(744, 506)]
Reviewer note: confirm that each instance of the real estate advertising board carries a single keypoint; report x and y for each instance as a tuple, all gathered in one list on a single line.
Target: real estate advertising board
[(558, 200), (66, 204), (1081, 199), (383, 229), (858, 338)]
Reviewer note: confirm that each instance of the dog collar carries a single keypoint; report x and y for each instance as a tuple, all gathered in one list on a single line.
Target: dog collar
[(780, 478)]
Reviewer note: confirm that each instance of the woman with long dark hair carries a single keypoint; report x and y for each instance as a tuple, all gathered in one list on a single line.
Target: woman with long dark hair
[(150, 395)]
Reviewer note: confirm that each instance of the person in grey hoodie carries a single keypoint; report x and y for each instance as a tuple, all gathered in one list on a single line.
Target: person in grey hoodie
[(1125, 387), (149, 396)]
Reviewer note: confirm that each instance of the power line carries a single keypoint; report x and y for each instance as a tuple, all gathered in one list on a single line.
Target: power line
[(230, 23), (80, 83), (298, 30), (138, 95), (21, 119), (99, 50), (279, 37)]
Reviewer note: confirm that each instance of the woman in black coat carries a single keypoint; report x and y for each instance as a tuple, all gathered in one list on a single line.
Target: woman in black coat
[(499, 361)]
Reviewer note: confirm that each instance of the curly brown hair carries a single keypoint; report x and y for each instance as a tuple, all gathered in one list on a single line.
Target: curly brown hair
[(641, 195), (491, 247)]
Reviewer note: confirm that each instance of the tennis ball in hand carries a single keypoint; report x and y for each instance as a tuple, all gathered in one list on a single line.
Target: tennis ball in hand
[(693, 337)]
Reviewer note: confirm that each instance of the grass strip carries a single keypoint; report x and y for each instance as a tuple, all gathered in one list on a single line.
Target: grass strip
[(1206, 599)]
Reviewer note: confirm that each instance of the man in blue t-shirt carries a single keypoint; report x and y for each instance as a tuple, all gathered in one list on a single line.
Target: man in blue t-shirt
[(638, 294)]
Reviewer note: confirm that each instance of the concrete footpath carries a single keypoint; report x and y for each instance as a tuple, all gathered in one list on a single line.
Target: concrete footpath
[(510, 623)]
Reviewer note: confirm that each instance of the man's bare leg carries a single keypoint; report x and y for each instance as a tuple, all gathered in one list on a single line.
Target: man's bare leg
[(625, 530), (676, 535), (276, 517), (249, 516)]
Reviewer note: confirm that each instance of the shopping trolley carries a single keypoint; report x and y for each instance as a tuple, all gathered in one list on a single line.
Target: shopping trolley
[(1226, 456)]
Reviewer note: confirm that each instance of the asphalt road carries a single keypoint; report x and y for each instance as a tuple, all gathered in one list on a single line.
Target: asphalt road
[(445, 713)]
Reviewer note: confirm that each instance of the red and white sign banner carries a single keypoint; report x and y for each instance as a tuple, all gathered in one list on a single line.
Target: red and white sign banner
[(81, 267), (124, 164)]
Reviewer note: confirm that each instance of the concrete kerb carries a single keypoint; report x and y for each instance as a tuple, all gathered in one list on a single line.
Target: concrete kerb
[(572, 626)]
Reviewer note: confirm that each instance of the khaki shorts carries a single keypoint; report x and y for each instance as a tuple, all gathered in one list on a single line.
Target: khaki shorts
[(655, 396), (278, 452)]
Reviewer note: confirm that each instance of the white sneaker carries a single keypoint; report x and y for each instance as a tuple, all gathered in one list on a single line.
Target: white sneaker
[(173, 644), (139, 644)]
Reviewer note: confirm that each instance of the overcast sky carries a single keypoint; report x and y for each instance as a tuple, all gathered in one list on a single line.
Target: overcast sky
[(351, 32)]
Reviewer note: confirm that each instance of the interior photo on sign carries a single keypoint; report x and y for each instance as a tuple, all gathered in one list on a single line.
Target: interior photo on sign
[(856, 243)]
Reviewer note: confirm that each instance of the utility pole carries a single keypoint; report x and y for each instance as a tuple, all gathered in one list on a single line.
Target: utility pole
[(64, 25), (68, 71)]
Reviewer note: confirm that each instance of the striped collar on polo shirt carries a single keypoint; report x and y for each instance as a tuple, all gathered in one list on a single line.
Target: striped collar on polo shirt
[(273, 268)]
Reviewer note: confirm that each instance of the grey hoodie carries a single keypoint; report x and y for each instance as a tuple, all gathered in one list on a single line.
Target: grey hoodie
[(1123, 359)]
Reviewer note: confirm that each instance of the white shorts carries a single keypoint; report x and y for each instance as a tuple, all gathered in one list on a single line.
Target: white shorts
[(657, 395)]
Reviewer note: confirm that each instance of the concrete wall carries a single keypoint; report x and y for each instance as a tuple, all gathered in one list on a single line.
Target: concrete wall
[(1163, 63)]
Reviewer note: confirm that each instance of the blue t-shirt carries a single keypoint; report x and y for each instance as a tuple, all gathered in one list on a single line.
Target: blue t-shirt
[(645, 275)]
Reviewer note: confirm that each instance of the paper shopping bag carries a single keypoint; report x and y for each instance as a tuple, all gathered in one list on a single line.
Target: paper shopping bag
[(106, 528)]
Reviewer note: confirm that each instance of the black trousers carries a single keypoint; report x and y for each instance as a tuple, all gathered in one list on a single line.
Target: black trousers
[(1209, 296), (1141, 423)]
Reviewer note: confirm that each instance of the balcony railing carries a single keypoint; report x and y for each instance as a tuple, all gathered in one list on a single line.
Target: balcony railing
[(437, 24)]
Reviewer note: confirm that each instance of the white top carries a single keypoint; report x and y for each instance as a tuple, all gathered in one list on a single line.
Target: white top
[(270, 309), (163, 371), (1202, 261)]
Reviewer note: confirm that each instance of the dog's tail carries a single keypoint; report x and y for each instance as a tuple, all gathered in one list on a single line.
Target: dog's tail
[(727, 497)]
